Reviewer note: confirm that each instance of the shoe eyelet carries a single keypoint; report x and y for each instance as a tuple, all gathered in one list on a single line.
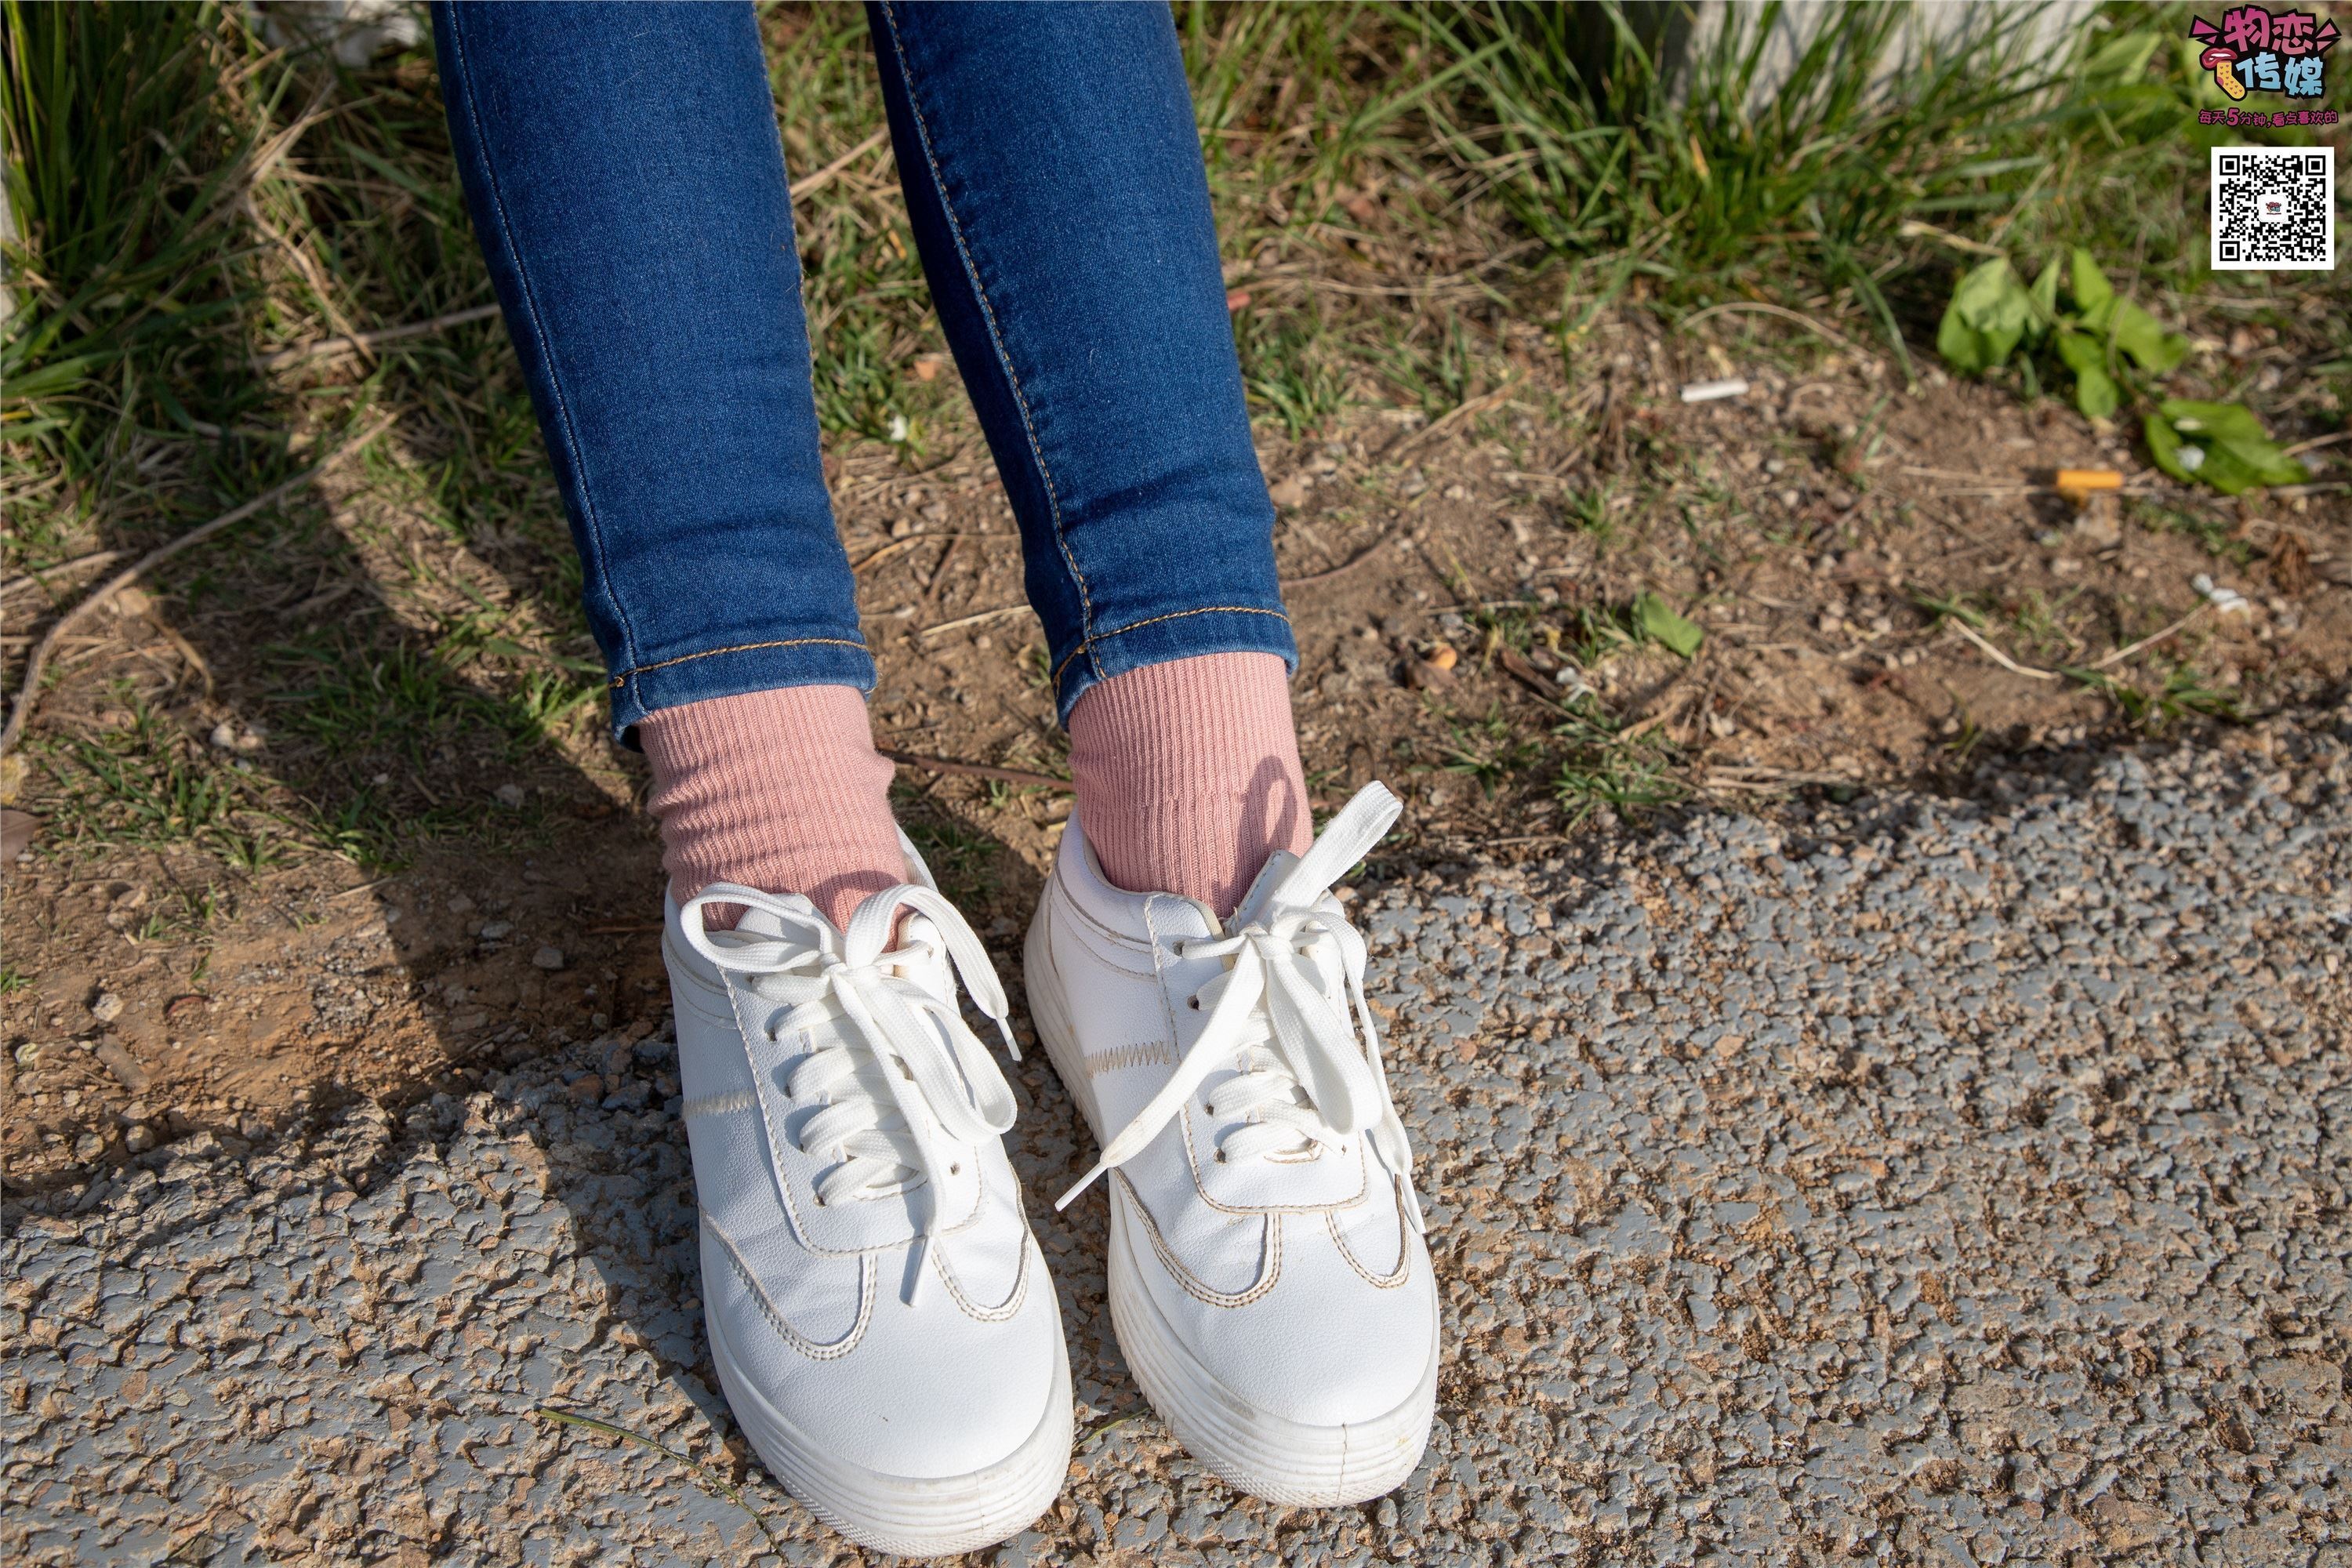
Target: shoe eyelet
[(1221, 1156), (955, 1170), (1193, 1003), (1207, 1109)]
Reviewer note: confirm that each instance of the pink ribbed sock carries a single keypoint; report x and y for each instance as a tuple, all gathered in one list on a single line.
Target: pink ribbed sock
[(1188, 775), (782, 791)]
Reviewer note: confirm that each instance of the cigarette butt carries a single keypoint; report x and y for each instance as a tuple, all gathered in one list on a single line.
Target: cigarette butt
[(1708, 391), (2087, 480)]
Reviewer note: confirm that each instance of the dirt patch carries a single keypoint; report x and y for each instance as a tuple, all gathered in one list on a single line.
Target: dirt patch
[(1887, 591)]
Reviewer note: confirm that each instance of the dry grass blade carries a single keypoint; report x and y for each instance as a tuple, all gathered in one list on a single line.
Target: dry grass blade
[(977, 770), (983, 618), (29, 690), (1758, 307), (1350, 565), (832, 172), (2151, 639), (353, 343), (2002, 659)]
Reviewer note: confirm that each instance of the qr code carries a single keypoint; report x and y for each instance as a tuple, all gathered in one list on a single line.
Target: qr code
[(2273, 209)]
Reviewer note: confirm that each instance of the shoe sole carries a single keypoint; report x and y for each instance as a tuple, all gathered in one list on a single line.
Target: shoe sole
[(908, 1516), (1265, 1455)]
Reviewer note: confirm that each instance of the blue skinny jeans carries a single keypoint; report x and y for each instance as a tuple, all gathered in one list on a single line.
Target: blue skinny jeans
[(626, 181)]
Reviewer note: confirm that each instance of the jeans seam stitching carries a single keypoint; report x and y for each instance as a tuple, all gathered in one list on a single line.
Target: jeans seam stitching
[(737, 647), (996, 339), (537, 329), (1094, 637)]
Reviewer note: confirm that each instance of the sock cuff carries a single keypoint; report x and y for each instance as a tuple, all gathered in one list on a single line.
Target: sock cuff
[(781, 790), (1221, 705)]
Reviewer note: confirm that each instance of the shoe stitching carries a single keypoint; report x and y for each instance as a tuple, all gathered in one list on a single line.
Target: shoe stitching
[(1113, 939), (1118, 1058), (995, 336), (1269, 1270), (530, 301), (973, 1309), (1191, 1159), (768, 1308), (734, 1099), (1093, 637), (1404, 1246), (622, 679)]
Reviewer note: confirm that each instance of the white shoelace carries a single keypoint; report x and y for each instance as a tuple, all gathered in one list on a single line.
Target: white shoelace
[(1302, 1079), (906, 1074)]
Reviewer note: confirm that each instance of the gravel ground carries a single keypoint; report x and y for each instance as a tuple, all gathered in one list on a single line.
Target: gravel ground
[(1943, 1182)]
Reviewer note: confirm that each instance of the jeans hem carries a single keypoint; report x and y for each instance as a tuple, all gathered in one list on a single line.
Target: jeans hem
[(762, 666), (1182, 633)]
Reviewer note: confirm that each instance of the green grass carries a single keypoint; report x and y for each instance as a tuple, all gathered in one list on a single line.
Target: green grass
[(2211, 533), (2182, 694), (1490, 748), (143, 785), (1601, 767), (962, 861)]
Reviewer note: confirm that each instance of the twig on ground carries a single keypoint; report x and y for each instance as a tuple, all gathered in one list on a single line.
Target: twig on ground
[(2117, 657), (977, 770), (1760, 781), (939, 572), (358, 342), (2317, 442), (1452, 417), (29, 690), (36, 576), (2002, 659), (1350, 565), (1760, 307), (1912, 228), (984, 616), (830, 172), (2151, 639)]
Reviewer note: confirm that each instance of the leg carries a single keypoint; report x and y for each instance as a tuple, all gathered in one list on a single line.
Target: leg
[(874, 1303), (1267, 1279), (627, 183), (1053, 177)]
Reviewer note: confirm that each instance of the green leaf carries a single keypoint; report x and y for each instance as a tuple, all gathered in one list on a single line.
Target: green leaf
[(2224, 470), (2138, 334), (2212, 421), (2046, 292), (2163, 446), (2081, 351), (2096, 394), (2218, 443), (2095, 389), (2087, 283), (1987, 316), (1659, 624)]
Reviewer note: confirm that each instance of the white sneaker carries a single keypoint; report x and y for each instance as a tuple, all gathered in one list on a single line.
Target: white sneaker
[(1268, 1280), (879, 1312)]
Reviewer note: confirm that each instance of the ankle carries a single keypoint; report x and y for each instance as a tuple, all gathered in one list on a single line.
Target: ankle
[(780, 790), (1188, 775)]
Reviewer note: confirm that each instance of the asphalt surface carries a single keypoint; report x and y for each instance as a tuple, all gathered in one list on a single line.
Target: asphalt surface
[(1944, 1182)]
